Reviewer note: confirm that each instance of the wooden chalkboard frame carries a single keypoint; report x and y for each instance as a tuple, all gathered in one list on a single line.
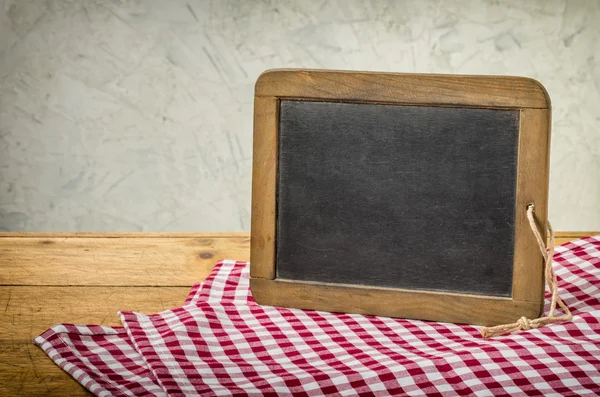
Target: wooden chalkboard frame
[(491, 92)]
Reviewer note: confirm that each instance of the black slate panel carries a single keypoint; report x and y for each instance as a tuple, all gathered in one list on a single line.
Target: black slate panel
[(397, 196)]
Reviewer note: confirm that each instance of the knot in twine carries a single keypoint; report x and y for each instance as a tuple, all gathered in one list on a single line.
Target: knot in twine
[(550, 277), (525, 323)]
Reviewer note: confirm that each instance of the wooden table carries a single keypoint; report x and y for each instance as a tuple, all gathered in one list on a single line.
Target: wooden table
[(85, 278)]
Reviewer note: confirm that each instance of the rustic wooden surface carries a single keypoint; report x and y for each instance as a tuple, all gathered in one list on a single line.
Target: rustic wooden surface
[(264, 183), (532, 187), (48, 278), (405, 88), (85, 278), (131, 261)]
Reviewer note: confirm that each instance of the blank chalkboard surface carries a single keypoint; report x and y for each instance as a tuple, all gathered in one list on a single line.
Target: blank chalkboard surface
[(399, 195), (388, 187)]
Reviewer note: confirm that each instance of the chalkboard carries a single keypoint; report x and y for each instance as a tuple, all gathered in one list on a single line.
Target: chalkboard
[(415, 197), (401, 195)]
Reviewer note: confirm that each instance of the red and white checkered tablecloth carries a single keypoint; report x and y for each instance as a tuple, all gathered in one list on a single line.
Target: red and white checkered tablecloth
[(220, 342)]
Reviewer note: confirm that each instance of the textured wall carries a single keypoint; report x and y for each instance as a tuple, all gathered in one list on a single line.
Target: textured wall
[(137, 115)]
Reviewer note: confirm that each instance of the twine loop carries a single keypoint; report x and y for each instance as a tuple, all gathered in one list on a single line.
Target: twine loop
[(550, 279)]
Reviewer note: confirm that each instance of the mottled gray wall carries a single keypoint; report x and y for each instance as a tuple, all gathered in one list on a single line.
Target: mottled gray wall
[(137, 115)]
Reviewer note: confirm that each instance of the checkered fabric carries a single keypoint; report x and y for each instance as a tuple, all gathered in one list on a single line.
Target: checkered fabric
[(220, 342)]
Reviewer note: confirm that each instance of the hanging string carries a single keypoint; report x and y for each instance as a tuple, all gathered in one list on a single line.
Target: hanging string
[(524, 323)]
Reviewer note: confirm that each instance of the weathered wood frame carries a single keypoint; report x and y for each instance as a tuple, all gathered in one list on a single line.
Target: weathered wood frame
[(496, 92)]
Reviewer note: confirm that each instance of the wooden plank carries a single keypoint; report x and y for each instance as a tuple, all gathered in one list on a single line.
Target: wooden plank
[(111, 235), (532, 188), (424, 305), (264, 183), (564, 237), (28, 311), (137, 261), (25, 370), (415, 89), (147, 260)]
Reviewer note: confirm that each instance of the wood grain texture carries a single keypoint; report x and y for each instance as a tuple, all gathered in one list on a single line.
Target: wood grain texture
[(160, 261), (424, 305), (532, 187), (25, 370), (27, 310), (113, 235), (416, 89), (561, 238), (264, 175)]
